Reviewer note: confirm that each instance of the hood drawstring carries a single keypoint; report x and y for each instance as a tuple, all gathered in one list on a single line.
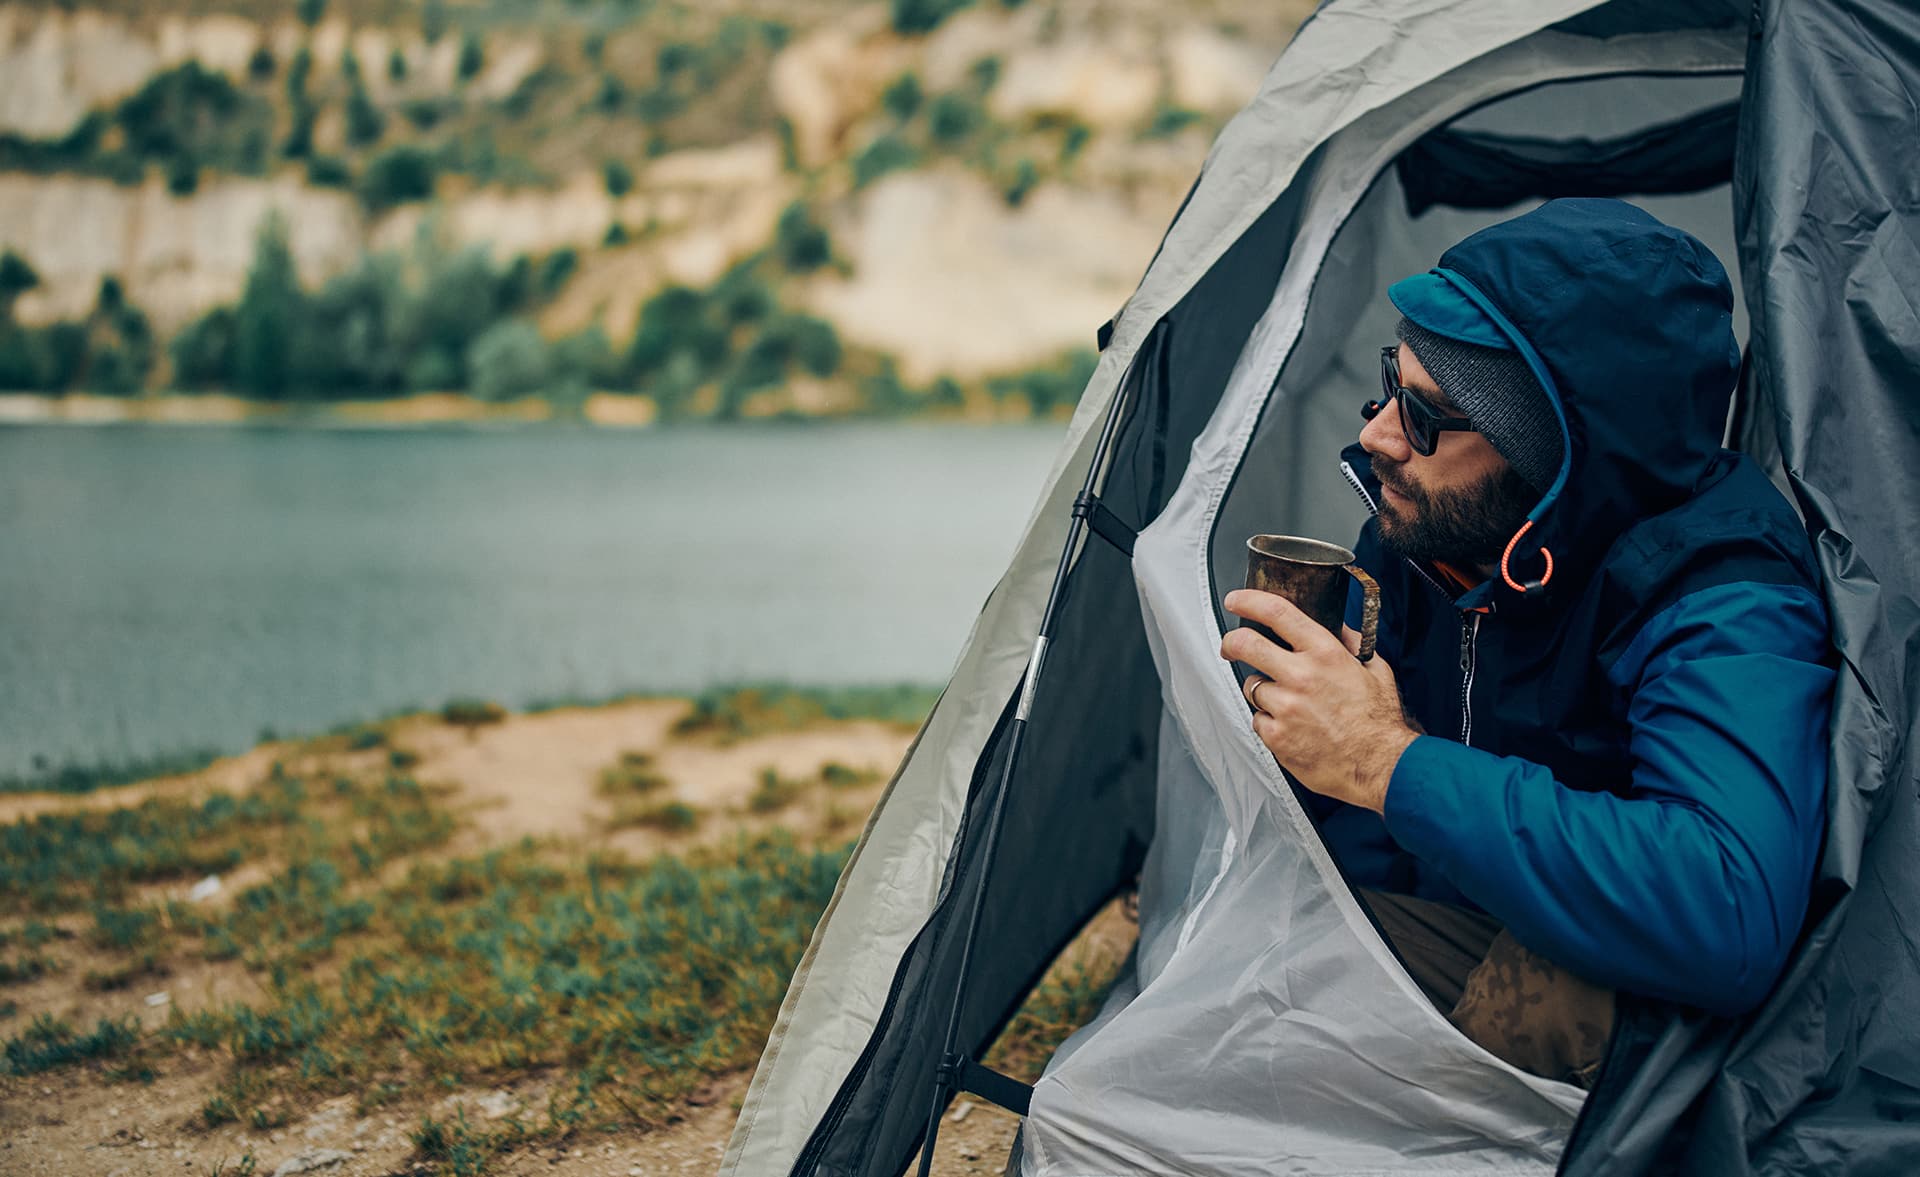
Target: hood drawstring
[(1506, 558)]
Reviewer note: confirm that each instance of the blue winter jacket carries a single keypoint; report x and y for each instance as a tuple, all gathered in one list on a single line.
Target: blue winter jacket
[(1626, 765)]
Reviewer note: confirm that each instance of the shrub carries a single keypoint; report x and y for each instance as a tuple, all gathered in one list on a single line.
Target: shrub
[(773, 792), (801, 243), (329, 171), (311, 11), (397, 65), (1025, 177), (260, 65), (672, 817), (616, 235), (299, 140), (618, 176), (952, 118), (556, 269), (16, 278), (509, 360), (886, 154), (902, 96), (203, 350), (634, 774), (472, 57), (396, 176), (365, 123), (1169, 120), (1051, 386), (922, 16), (472, 713)]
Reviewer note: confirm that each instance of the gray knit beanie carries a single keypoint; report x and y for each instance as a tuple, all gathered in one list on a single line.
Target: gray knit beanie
[(1498, 393)]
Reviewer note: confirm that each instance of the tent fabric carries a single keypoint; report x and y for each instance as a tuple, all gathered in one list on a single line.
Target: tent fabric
[(1264, 1026)]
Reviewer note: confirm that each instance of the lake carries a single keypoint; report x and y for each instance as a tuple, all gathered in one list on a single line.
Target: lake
[(172, 588)]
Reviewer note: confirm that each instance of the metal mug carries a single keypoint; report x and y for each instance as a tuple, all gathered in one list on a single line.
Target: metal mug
[(1313, 575)]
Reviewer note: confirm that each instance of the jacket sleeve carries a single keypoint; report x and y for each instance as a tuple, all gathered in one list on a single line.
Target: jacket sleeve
[(1690, 883)]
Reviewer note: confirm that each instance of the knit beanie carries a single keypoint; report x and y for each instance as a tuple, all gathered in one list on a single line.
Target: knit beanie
[(1497, 391)]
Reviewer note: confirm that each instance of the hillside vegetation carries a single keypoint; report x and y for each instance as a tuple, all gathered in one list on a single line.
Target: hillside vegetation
[(732, 210)]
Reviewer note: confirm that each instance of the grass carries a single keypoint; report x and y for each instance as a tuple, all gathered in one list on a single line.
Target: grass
[(384, 970), (633, 775), (733, 713), (384, 966)]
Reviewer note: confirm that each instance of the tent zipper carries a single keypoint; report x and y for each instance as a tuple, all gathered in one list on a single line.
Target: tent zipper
[(1469, 658)]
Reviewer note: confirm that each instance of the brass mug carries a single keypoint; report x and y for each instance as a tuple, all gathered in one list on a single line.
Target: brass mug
[(1313, 575)]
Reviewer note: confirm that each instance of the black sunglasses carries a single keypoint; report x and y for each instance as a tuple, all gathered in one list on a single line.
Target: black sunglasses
[(1419, 419)]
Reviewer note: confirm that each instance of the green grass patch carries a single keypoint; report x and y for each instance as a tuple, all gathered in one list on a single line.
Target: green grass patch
[(669, 817), (633, 775), (1066, 1000), (472, 713), (774, 792), (50, 1042), (735, 713)]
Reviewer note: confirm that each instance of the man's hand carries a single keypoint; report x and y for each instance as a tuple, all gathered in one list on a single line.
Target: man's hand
[(1332, 721)]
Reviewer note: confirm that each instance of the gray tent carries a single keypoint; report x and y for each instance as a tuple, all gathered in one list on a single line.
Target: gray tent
[(1781, 133)]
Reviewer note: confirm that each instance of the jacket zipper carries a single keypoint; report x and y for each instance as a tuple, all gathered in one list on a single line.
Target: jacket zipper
[(1469, 638), (1373, 508)]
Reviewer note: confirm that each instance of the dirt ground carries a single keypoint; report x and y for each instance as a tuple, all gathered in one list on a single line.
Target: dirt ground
[(528, 774)]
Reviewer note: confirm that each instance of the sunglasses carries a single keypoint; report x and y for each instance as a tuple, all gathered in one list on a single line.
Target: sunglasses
[(1419, 419)]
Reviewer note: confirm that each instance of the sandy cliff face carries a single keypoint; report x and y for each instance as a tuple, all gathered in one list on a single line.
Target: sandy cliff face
[(938, 267)]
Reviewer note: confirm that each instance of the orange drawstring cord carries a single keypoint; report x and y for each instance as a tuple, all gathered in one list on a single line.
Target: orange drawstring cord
[(1506, 557)]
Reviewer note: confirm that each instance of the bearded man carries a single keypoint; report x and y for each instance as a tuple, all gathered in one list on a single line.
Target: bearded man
[(1591, 756)]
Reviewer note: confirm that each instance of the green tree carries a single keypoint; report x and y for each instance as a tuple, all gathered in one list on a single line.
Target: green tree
[(509, 360), (922, 16), (260, 65), (16, 278), (203, 351), (311, 11), (902, 96), (268, 315), (396, 176), (298, 71), (365, 123), (472, 57), (619, 178), (951, 118), (801, 243), (397, 65), (433, 21)]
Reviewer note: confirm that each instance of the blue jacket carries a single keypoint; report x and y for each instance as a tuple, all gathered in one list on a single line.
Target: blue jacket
[(1626, 765)]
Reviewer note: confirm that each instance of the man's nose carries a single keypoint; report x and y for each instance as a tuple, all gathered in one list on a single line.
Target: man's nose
[(1383, 435)]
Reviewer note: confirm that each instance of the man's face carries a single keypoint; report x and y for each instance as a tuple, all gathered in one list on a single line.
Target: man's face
[(1460, 504)]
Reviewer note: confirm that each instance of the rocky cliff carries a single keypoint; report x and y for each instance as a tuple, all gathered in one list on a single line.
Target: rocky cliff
[(984, 243)]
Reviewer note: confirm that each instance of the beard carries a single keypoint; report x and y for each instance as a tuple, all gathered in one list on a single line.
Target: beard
[(1468, 525)]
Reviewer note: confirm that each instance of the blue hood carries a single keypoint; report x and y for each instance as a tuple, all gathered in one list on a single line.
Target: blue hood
[(1628, 324)]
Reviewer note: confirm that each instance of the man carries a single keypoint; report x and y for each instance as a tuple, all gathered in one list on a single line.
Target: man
[(1591, 754)]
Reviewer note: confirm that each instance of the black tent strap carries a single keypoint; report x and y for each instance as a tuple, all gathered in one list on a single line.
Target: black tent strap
[(1105, 523), (960, 1073)]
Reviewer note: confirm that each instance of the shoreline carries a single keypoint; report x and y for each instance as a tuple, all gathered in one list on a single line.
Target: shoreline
[(601, 410)]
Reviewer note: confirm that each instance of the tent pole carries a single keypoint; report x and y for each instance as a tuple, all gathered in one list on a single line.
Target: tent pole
[(947, 1073)]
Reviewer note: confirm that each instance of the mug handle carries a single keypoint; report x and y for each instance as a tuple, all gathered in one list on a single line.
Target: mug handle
[(1369, 610)]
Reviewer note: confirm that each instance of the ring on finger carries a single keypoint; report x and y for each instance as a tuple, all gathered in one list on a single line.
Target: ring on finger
[(1251, 689)]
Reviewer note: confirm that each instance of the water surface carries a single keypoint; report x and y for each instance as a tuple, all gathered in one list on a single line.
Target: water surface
[(167, 588)]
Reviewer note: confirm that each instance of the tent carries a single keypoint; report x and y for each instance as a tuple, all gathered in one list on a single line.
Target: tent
[(1779, 132)]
